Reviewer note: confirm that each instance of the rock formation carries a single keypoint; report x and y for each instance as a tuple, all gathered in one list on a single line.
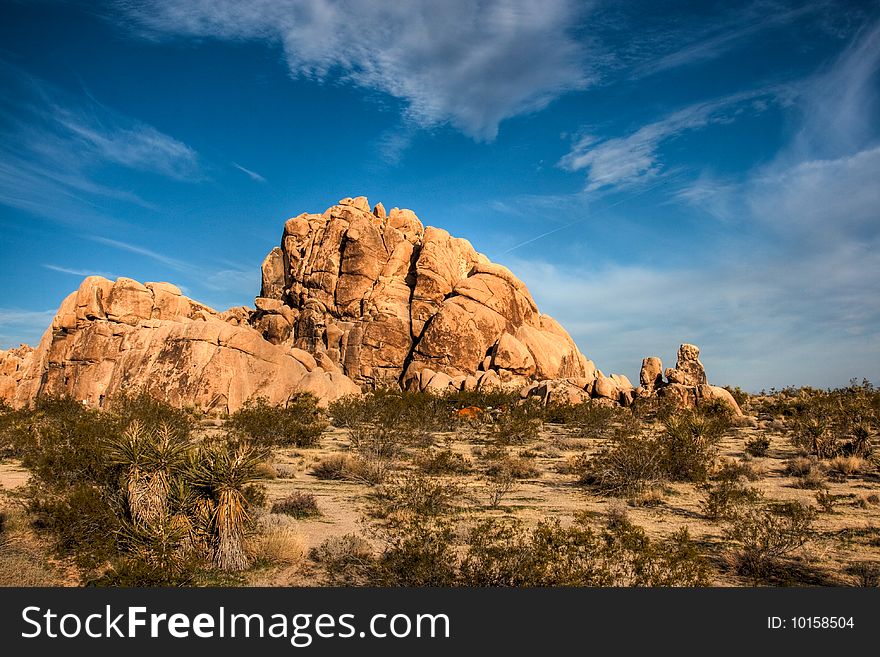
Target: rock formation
[(351, 296), (686, 384), (390, 301), (354, 296), (122, 336)]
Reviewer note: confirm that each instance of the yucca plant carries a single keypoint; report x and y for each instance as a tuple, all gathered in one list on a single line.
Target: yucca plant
[(223, 472), (151, 460)]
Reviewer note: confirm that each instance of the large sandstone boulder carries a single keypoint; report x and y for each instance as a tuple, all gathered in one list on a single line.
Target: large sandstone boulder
[(111, 337), (688, 370), (651, 374), (383, 298)]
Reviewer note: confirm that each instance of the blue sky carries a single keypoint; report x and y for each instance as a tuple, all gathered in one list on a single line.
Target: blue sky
[(657, 172)]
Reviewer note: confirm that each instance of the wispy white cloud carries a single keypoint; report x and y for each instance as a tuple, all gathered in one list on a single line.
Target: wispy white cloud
[(81, 273), (470, 64), (253, 175), (705, 43), (172, 263), (632, 159), (54, 150)]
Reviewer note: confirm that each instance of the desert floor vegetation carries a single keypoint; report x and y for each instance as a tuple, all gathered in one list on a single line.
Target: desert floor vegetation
[(471, 489)]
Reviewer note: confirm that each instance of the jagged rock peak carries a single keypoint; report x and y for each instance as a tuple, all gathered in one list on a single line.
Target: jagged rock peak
[(389, 300)]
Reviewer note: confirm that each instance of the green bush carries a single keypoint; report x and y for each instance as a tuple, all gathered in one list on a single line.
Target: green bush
[(419, 552), (627, 465), (501, 553), (416, 494), (765, 533), (142, 497), (300, 423), (517, 424), (688, 443), (724, 498)]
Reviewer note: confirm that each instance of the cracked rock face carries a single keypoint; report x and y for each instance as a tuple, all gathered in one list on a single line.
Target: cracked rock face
[(390, 301)]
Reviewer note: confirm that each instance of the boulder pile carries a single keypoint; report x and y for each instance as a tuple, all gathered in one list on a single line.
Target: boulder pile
[(354, 296)]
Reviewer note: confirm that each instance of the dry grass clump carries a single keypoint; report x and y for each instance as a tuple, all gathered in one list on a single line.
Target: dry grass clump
[(276, 541), (846, 466), (648, 497), (515, 467), (344, 467)]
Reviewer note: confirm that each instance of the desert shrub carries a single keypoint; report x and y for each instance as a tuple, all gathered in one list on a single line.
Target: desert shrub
[(517, 423), (846, 466), (419, 495), (501, 553), (297, 505), (864, 573), (807, 472), (299, 423), (392, 415), (285, 472), (724, 498), (276, 541), (800, 466), (626, 465), (647, 497), (826, 500), (765, 533), (140, 501), (588, 419), (151, 413), (828, 423), (733, 469), (347, 560), (498, 486), (688, 442), (419, 552), (443, 461), (332, 468), (515, 467), (758, 445)]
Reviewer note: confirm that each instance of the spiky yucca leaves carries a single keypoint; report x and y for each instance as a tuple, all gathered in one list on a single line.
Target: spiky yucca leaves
[(152, 459), (223, 472)]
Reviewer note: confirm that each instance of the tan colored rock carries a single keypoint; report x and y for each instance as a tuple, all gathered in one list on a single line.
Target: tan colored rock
[(651, 374), (688, 370), (440, 382), (195, 358), (681, 395), (375, 291), (559, 391), (707, 394), (622, 381), (606, 387), (352, 291)]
